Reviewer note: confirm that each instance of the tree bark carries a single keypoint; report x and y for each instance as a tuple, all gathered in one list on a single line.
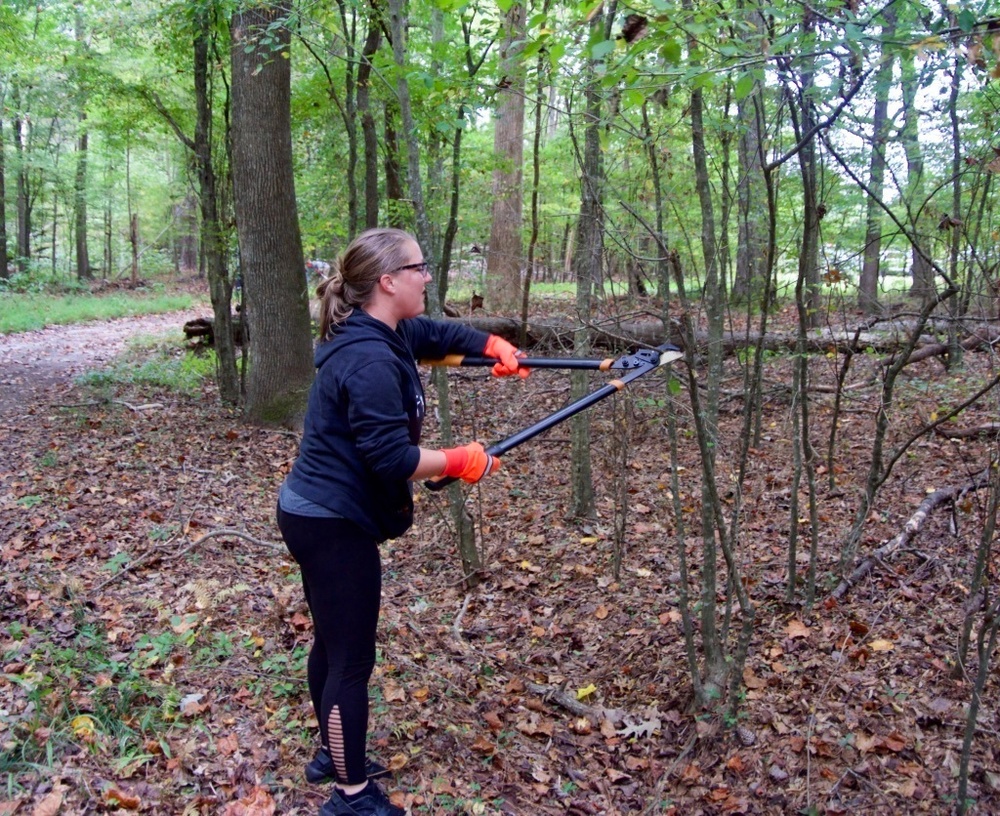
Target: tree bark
[(369, 134), (394, 193), (751, 253), (868, 284), (213, 234), (4, 256), (921, 271), (275, 286), (588, 258), (23, 201), (83, 270), (503, 260)]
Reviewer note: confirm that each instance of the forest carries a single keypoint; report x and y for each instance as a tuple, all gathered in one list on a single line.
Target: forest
[(758, 580)]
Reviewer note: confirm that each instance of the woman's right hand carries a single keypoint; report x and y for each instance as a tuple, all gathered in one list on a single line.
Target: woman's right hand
[(470, 463)]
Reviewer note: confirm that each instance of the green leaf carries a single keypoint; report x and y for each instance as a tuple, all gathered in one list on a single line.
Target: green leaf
[(600, 50), (966, 20), (670, 51), (744, 86), (633, 98), (504, 5)]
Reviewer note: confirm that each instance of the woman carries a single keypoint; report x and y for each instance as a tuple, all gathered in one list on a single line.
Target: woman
[(350, 487)]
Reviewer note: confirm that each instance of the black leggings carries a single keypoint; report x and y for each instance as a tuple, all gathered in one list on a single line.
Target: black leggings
[(342, 577)]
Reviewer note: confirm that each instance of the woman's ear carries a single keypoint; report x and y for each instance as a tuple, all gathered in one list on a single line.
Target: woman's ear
[(388, 283)]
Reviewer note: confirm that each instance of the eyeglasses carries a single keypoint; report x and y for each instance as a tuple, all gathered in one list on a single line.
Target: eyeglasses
[(423, 267)]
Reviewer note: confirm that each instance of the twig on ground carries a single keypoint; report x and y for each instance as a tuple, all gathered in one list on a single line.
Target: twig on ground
[(456, 627), (574, 706), (94, 403), (174, 554), (228, 531)]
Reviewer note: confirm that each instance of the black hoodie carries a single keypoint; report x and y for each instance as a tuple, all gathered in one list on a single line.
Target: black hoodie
[(366, 408)]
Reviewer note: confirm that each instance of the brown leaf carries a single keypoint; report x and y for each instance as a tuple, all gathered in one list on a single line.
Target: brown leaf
[(751, 680), (735, 764), (50, 805), (227, 745), (616, 776), (797, 629), (493, 720), (258, 802), (895, 742), (116, 798), (483, 746)]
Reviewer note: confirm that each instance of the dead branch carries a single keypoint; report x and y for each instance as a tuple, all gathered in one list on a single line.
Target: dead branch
[(989, 429), (227, 531), (568, 701), (912, 527), (95, 403)]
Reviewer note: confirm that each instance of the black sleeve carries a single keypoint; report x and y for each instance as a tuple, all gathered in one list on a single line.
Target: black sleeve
[(432, 339)]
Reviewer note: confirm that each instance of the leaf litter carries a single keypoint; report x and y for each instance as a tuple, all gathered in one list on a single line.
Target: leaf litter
[(155, 633)]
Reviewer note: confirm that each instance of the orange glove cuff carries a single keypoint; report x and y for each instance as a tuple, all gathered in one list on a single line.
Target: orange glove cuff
[(469, 462)]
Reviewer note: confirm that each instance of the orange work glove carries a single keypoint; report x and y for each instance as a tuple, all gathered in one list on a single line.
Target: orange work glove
[(469, 462), (507, 354)]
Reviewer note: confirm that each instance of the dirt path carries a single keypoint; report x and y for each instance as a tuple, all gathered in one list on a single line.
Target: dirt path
[(39, 366)]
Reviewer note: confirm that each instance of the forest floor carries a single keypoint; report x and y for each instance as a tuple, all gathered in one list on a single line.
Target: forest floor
[(154, 631)]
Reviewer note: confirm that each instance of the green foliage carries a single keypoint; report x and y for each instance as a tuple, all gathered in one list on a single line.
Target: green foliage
[(29, 310), (153, 362), (80, 697)]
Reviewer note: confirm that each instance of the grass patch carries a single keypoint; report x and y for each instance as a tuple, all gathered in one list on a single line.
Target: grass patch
[(74, 694), (27, 311), (152, 361)]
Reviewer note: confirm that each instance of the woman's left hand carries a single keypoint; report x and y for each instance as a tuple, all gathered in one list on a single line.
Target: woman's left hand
[(507, 354)]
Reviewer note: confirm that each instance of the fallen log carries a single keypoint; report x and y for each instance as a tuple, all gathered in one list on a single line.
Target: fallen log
[(912, 527), (203, 330)]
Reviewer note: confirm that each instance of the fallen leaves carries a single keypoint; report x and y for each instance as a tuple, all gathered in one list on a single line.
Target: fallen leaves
[(258, 802)]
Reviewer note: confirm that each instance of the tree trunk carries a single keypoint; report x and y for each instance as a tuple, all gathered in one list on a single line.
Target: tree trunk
[(536, 170), (368, 132), (716, 673), (868, 285), (503, 260), (394, 194), (275, 289), (187, 236), (83, 270), (956, 232), (751, 252), (350, 112), (108, 251), (133, 239), (4, 257), (587, 260), (213, 234), (921, 271), (23, 248)]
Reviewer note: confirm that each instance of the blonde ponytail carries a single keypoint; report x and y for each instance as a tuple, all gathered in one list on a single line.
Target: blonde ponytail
[(356, 273)]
